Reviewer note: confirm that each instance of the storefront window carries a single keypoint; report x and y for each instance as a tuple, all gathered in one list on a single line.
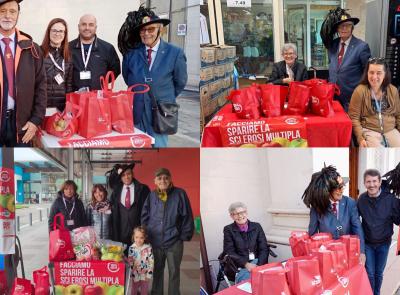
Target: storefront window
[(302, 24), (250, 30)]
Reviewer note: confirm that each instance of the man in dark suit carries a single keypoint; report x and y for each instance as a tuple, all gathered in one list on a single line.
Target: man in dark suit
[(289, 69), (347, 56), (154, 62), (127, 201)]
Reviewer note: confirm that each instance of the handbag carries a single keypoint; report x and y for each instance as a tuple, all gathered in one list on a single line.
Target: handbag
[(60, 245), (165, 116)]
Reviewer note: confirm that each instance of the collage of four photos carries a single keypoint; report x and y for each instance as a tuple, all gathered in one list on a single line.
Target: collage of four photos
[(199, 147)]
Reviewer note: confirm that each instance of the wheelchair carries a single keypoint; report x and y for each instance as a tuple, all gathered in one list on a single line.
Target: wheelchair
[(228, 267)]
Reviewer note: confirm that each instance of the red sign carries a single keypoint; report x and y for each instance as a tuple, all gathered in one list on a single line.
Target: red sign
[(7, 211), (285, 131), (122, 141), (89, 272)]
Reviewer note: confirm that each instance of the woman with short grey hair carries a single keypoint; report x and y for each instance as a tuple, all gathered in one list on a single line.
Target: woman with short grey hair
[(289, 69), (244, 241)]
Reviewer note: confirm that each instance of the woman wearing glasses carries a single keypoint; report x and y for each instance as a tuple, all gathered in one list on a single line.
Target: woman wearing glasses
[(375, 107), (331, 212), (57, 63), (244, 241), (289, 69)]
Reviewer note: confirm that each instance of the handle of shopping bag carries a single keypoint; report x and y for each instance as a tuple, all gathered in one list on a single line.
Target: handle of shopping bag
[(337, 90), (145, 86), (104, 81), (76, 107), (102, 109), (315, 71), (61, 217)]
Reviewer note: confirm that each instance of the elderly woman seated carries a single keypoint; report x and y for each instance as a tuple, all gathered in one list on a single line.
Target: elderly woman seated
[(244, 241), (288, 69)]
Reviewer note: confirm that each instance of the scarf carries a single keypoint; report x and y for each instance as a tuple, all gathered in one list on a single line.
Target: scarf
[(101, 206), (243, 227), (164, 195)]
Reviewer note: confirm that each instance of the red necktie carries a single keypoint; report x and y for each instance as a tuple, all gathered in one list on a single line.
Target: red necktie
[(334, 210), (9, 61), (149, 56), (128, 198), (341, 53)]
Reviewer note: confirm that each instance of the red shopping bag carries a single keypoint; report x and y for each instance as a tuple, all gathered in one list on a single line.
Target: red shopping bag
[(60, 246), (303, 275), (322, 99), (3, 282), (96, 115), (322, 237), (273, 99), (341, 262), (316, 241), (122, 119), (352, 243), (42, 282), (269, 279), (298, 99), (64, 124), (244, 103), (296, 241), (314, 81), (22, 287), (326, 259)]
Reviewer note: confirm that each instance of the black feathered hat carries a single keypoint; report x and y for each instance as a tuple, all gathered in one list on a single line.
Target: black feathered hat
[(345, 17), (5, 1), (123, 168), (151, 19)]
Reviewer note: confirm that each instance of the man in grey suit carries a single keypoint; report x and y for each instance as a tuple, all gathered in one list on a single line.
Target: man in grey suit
[(348, 56)]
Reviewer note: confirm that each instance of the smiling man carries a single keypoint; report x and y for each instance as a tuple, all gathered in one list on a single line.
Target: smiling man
[(152, 61), (91, 56), (23, 95), (347, 56), (379, 210)]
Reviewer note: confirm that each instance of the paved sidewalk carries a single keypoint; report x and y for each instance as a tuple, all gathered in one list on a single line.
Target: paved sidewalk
[(189, 121), (391, 275)]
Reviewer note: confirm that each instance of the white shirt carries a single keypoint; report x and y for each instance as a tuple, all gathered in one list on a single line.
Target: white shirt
[(153, 53), (337, 207), (204, 37), (10, 101), (347, 43), (132, 192)]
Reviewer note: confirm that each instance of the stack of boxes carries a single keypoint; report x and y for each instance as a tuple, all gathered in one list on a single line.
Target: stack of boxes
[(215, 78)]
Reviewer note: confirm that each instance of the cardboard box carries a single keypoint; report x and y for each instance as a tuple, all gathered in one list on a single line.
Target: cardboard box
[(219, 71), (204, 93), (207, 56), (206, 75), (229, 68), (215, 88), (210, 107)]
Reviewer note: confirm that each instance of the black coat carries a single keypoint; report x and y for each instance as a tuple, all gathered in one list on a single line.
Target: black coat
[(56, 92), (378, 216), (78, 214), (279, 72), (124, 220), (168, 222), (240, 244), (103, 58)]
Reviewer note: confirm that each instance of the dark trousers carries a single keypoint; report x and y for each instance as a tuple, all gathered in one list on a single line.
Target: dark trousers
[(8, 136), (375, 264), (173, 255)]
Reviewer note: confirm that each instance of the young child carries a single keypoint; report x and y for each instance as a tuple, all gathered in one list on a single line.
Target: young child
[(141, 259)]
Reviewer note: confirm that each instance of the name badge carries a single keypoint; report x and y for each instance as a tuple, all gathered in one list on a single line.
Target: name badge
[(85, 75), (148, 79), (59, 79), (251, 256), (70, 222)]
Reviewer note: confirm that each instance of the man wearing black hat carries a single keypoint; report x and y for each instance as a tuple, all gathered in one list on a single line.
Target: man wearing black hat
[(127, 201), (155, 62), (92, 57), (23, 95), (348, 56), (168, 218)]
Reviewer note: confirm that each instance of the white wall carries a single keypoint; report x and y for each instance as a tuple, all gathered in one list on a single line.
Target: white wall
[(269, 181), (35, 16)]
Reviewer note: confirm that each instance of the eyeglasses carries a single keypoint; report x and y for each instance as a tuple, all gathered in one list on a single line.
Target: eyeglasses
[(288, 53), (150, 30), (341, 186), (54, 31), (239, 213), (11, 12), (345, 25), (376, 60)]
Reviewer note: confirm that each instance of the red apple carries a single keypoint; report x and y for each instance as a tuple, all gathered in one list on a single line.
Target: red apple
[(93, 290), (271, 144)]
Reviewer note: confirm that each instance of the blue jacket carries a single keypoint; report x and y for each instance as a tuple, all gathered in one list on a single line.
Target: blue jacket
[(349, 219), (378, 216), (168, 222), (349, 73), (167, 78)]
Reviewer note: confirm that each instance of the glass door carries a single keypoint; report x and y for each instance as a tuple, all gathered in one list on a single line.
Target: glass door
[(302, 24)]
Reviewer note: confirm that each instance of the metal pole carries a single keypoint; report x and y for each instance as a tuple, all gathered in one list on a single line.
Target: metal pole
[(18, 224), (48, 213), (30, 219), (70, 166), (40, 215)]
